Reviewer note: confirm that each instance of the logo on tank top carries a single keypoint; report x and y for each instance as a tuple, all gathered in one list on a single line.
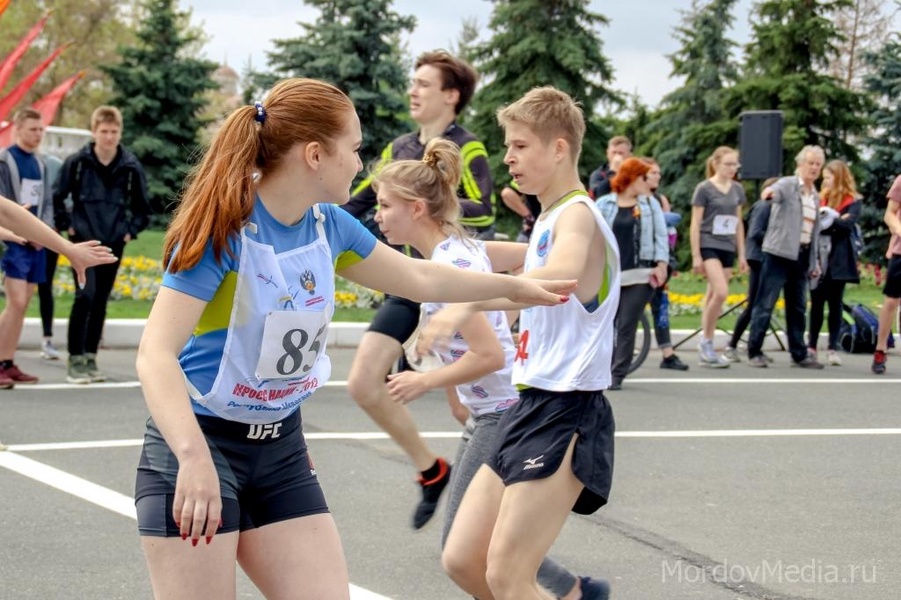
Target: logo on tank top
[(462, 263), (543, 243), (308, 281), (479, 391)]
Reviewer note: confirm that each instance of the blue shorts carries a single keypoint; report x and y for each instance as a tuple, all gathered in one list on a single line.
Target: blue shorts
[(533, 435), (265, 476), (24, 262)]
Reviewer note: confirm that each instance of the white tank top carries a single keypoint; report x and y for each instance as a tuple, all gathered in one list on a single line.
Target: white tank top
[(274, 355), (565, 348), (494, 392)]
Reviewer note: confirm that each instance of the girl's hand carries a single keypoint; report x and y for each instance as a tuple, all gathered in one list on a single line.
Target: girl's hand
[(87, 254), (540, 292), (197, 507), (406, 386), (442, 326), (697, 265), (743, 265)]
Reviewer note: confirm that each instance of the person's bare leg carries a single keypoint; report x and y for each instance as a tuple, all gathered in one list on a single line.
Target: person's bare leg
[(18, 295), (465, 553), (529, 520), (179, 570), (886, 321), (718, 291), (297, 559), (375, 356)]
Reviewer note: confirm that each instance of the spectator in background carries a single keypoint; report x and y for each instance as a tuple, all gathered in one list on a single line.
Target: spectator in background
[(526, 206), (23, 179), (892, 290), (840, 208), (758, 218), (717, 237), (789, 257), (109, 203), (619, 148), (45, 290), (637, 222), (660, 297)]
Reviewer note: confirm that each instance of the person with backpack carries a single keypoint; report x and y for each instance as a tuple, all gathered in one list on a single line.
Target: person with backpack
[(840, 208), (109, 203), (892, 289)]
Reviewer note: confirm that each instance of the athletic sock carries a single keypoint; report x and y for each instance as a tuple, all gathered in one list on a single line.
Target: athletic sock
[(5, 364), (432, 472)]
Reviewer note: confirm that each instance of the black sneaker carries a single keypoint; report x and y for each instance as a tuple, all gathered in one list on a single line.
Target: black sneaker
[(431, 493), (808, 363), (672, 362), (594, 589), (878, 365)]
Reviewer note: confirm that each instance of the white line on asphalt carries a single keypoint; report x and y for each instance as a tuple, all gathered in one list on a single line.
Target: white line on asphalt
[(378, 435), (668, 381), (104, 497)]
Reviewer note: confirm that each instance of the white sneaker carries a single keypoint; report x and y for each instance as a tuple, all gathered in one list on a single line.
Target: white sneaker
[(833, 359), (709, 357), (731, 354), (49, 351)]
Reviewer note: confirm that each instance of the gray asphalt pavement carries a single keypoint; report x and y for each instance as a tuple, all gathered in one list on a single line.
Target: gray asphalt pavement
[(735, 483)]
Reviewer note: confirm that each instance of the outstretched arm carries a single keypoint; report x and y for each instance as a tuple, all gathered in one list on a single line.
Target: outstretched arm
[(21, 222)]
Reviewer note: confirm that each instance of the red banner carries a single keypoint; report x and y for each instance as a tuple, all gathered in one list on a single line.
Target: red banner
[(49, 104), (9, 102), (9, 63)]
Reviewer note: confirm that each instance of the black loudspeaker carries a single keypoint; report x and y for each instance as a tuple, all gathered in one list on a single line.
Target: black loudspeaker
[(760, 144)]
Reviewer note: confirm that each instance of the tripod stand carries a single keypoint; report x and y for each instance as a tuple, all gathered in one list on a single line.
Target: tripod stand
[(774, 329)]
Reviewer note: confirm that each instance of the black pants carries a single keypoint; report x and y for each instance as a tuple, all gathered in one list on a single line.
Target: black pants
[(781, 275), (89, 308), (829, 292), (632, 300), (744, 319), (45, 293)]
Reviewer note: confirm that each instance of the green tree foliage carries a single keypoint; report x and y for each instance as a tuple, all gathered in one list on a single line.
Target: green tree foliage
[(884, 142), (95, 28), (160, 88), (541, 42), (692, 121), (354, 44), (786, 63)]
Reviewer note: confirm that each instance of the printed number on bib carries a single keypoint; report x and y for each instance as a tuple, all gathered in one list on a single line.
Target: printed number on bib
[(292, 342), (725, 224)]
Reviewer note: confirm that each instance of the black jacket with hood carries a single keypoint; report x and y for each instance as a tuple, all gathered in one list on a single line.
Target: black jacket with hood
[(108, 202)]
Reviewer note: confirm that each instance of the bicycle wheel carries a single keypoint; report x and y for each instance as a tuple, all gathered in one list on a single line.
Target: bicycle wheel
[(642, 342)]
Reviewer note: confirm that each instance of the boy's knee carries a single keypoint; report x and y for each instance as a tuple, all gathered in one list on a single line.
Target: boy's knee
[(362, 390), (460, 567)]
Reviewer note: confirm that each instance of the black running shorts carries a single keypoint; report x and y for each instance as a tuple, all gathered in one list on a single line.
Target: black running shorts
[(265, 476), (396, 318), (892, 287), (534, 433)]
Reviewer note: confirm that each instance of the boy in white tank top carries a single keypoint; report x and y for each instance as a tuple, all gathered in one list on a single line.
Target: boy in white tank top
[(554, 448)]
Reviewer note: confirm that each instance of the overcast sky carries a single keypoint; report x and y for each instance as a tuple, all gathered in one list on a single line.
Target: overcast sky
[(637, 40)]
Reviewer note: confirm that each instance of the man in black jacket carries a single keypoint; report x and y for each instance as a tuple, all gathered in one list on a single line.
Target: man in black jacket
[(109, 203)]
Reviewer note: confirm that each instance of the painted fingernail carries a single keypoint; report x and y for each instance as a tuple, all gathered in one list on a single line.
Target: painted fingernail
[(194, 541), (209, 539), (184, 536), (564, 299)]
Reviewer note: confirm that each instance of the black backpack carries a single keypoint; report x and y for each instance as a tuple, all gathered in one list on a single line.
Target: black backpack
[(859, 329)]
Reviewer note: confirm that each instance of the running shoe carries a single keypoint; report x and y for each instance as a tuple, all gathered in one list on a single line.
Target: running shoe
[(49, 351), (878, 365), (431, 493), (594, 589), (833, 359), (17, 375)]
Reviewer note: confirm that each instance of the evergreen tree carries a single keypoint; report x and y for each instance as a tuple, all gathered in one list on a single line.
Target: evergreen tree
[(787, 59), (354, 44), (535, 43), (692, 121), (884, 143), (160, 88)]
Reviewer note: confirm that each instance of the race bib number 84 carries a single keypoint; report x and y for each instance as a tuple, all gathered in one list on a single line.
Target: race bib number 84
[(292, 342)]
